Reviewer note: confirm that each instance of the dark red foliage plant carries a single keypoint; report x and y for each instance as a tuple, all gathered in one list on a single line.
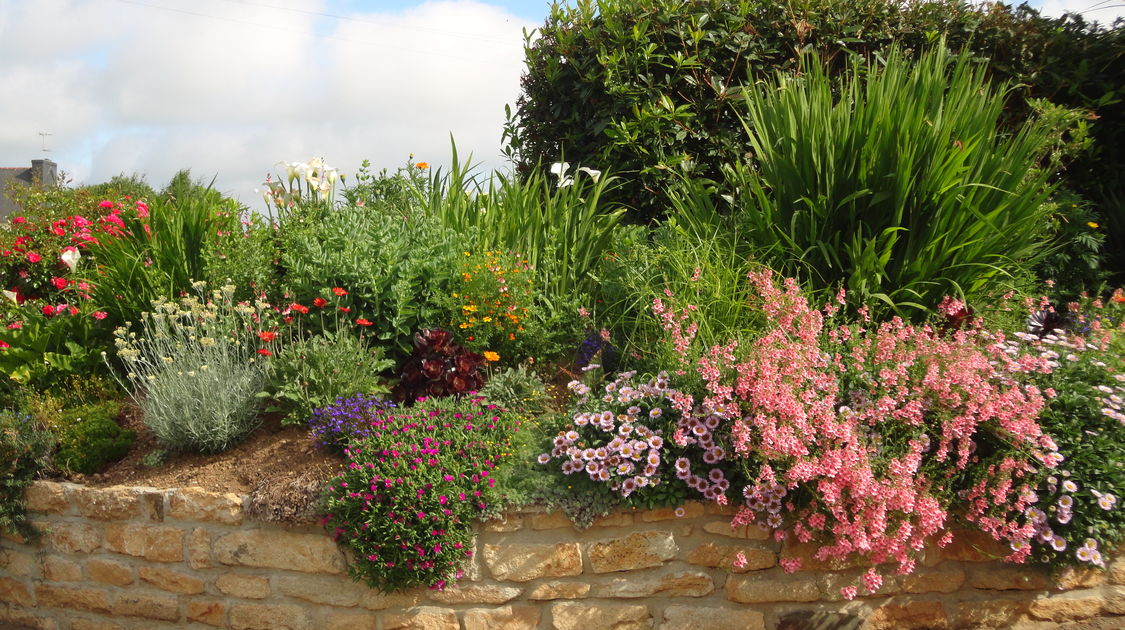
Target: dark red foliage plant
[(438, 366)]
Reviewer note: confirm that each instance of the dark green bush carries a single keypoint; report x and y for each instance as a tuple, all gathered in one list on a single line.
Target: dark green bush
[(644, 86), (90, 438), (24, 448)]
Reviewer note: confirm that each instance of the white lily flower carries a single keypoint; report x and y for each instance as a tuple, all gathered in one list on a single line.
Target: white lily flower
[(11, 295), (593, 173), (560, 169), (70, 257)]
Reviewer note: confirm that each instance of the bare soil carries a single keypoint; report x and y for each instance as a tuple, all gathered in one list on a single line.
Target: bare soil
[(279, 467)]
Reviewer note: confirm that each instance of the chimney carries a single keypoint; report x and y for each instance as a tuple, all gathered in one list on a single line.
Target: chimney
[(45, 172)]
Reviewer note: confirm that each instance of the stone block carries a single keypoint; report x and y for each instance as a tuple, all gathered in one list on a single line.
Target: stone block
[(116, 503), (157, 543), (196, 504), (109, 571), (638, 550), (764, 589), (421, 618), (76, 598), (505, 524), (907, 616), (714, 555), (1074, 578), (806, 553), (817, 619), (46, 497), (691, 509), (17, 563), (336, 620), (647, 584), (522, 562), (967, 546), (245, 586), (1000, 578), (711, 618), (74, 537), (502, 618), (131, 604), (307, 553), (554, 520), (245, 616), (199, 548), (946, 579), (616, 519), (171, 581), (476, 594), (26, 619), (374, 600), (830, 584), (81, 623), (559, 590), (331, 591), (211, 612), (15, 592), (1060, 609), (588, 616), (999, 613), (60, 569), (752, 531)]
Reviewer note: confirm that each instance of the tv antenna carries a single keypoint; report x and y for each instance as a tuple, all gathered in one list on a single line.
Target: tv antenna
[(43, 138)]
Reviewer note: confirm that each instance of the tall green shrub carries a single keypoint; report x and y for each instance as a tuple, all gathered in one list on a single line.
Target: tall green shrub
[(902, 189)]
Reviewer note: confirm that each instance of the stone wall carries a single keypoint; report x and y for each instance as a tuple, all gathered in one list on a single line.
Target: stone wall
[(144, 558)]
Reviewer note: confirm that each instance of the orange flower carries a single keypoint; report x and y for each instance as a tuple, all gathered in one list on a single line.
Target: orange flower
[(319, 302), (491, 356), (339, 292), (267, 335), (422, 165), (299, 308), (363, 322), (265, 353)]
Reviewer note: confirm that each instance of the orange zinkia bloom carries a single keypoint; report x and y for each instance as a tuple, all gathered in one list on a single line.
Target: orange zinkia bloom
[(491, 356), (319, 302), (338, 291), (363, 322), (267, 335), (422, 165)]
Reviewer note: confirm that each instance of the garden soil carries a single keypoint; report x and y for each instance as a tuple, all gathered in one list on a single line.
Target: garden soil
[(278, 467)]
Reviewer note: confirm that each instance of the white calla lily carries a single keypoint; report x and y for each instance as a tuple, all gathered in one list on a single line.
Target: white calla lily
[(70, 257), (11, 295)]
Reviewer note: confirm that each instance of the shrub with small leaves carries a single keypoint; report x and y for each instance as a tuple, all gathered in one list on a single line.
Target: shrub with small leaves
[(90, 438), (24, 448)]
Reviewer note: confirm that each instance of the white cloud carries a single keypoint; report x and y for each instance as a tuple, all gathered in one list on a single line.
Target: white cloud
[(1101, 11), (229, 87)]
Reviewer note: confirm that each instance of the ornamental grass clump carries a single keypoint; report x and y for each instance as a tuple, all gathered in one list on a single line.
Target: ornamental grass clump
[(405, 503), (196, 368)]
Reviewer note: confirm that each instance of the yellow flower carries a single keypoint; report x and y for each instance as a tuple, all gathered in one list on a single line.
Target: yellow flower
[(1092, 224), (487, 319), (491, 356)]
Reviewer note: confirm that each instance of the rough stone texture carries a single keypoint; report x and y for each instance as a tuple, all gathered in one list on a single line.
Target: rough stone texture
[(710, 618), (752, 589), (24, 619), (691, 509), (15, 592), (87, 599), (998, 613), (172, 581), (268, 617), (1072, 578), (17, 563), (505, 524), (554, 520), (830, 584), (524, 562), (46, 497), (710, 554), (559, 590), (946, 579), (907, 616), (1008, 579), (818, 620), (349, 621), (678, 584), (109, 571), (967, 546), (73, 537), (638, 550), (165, 607), (196, 504), (206, 611), (587, 616), (279, 550), (617, 519), (107, 504), (1060, 609), (504, 618), (422, 618), (332, 591), (805, 552), (152, 542), (245, 586), (748, 532), (199, 548), (1117, 572), (60, 569), (79, 623), (476, 594), (374, 600)]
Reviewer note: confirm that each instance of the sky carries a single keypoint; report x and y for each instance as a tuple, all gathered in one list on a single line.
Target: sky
[(229, 88)]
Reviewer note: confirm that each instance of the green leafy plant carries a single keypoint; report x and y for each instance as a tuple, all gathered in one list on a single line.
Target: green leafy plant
[(196, 367), (404, 506), (313, 372), (24, 451), (89, 438), (902, 190)]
